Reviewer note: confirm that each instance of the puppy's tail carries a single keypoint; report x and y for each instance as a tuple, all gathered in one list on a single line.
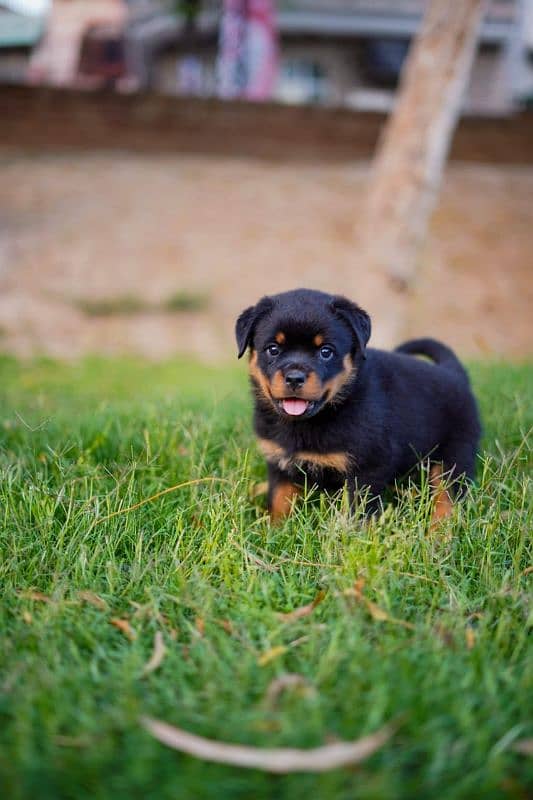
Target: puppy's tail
[(437, 352)]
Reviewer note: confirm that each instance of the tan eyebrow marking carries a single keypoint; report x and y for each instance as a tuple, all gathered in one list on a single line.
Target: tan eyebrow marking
[(280, 337), (318, 340)]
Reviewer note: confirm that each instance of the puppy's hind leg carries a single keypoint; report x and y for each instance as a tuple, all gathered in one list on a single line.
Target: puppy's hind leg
[(459, 464), (448, 478), (442, 501)]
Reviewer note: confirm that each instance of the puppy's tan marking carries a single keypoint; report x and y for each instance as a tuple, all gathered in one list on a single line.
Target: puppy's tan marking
[(280, 337), (278, 387), (443, 504), (336, 461), (282, 500), (275, 454), (271, 450), (336, 384), (312, 388), (258, 377), (318, 340)]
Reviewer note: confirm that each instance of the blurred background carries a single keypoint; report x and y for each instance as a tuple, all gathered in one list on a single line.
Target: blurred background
[(164, 164)]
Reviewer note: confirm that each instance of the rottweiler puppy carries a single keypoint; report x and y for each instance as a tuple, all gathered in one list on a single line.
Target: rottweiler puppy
[(329, 411)]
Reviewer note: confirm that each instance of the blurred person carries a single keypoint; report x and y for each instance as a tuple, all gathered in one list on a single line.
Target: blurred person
[(248, 50), (56, 59), (190, 76)]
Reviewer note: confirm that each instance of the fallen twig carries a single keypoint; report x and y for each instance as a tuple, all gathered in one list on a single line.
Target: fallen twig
[(275, 759)]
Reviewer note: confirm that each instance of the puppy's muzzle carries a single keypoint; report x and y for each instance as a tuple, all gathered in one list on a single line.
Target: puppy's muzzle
[(295, 379)]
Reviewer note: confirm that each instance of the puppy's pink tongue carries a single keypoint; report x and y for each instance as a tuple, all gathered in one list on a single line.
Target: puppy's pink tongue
[(294, 406)]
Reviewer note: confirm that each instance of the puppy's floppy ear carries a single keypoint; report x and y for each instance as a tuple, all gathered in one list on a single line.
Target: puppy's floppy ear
[(357, 319), (244, 328)]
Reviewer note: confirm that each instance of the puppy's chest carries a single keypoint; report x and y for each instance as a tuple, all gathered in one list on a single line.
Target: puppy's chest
[(302, 457)]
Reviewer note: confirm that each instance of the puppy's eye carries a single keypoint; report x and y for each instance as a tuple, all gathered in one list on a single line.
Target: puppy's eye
[(273, 350), (326, 352)]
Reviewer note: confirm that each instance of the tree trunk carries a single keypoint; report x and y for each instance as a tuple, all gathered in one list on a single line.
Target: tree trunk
[(411, 154)]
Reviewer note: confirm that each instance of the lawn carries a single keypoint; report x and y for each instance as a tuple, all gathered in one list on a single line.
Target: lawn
[(433, 638)]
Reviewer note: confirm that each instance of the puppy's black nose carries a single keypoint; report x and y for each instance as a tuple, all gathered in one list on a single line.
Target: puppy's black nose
[(295, 378)]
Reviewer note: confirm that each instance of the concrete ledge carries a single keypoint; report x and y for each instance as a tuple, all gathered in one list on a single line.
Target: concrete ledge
[(50, 119)]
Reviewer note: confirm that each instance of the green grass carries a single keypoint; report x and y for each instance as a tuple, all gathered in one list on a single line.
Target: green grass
[(123, 305), (130, 305), (202, 565), (186, 301)]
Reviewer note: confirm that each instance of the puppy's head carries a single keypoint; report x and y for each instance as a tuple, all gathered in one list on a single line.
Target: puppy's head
[(305, 349)]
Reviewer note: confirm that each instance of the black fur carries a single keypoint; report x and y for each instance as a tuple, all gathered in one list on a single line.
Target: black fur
[(247, 322), (391, 411)]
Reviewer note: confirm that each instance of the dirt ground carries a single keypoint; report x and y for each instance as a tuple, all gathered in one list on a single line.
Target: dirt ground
[(99, 226)]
